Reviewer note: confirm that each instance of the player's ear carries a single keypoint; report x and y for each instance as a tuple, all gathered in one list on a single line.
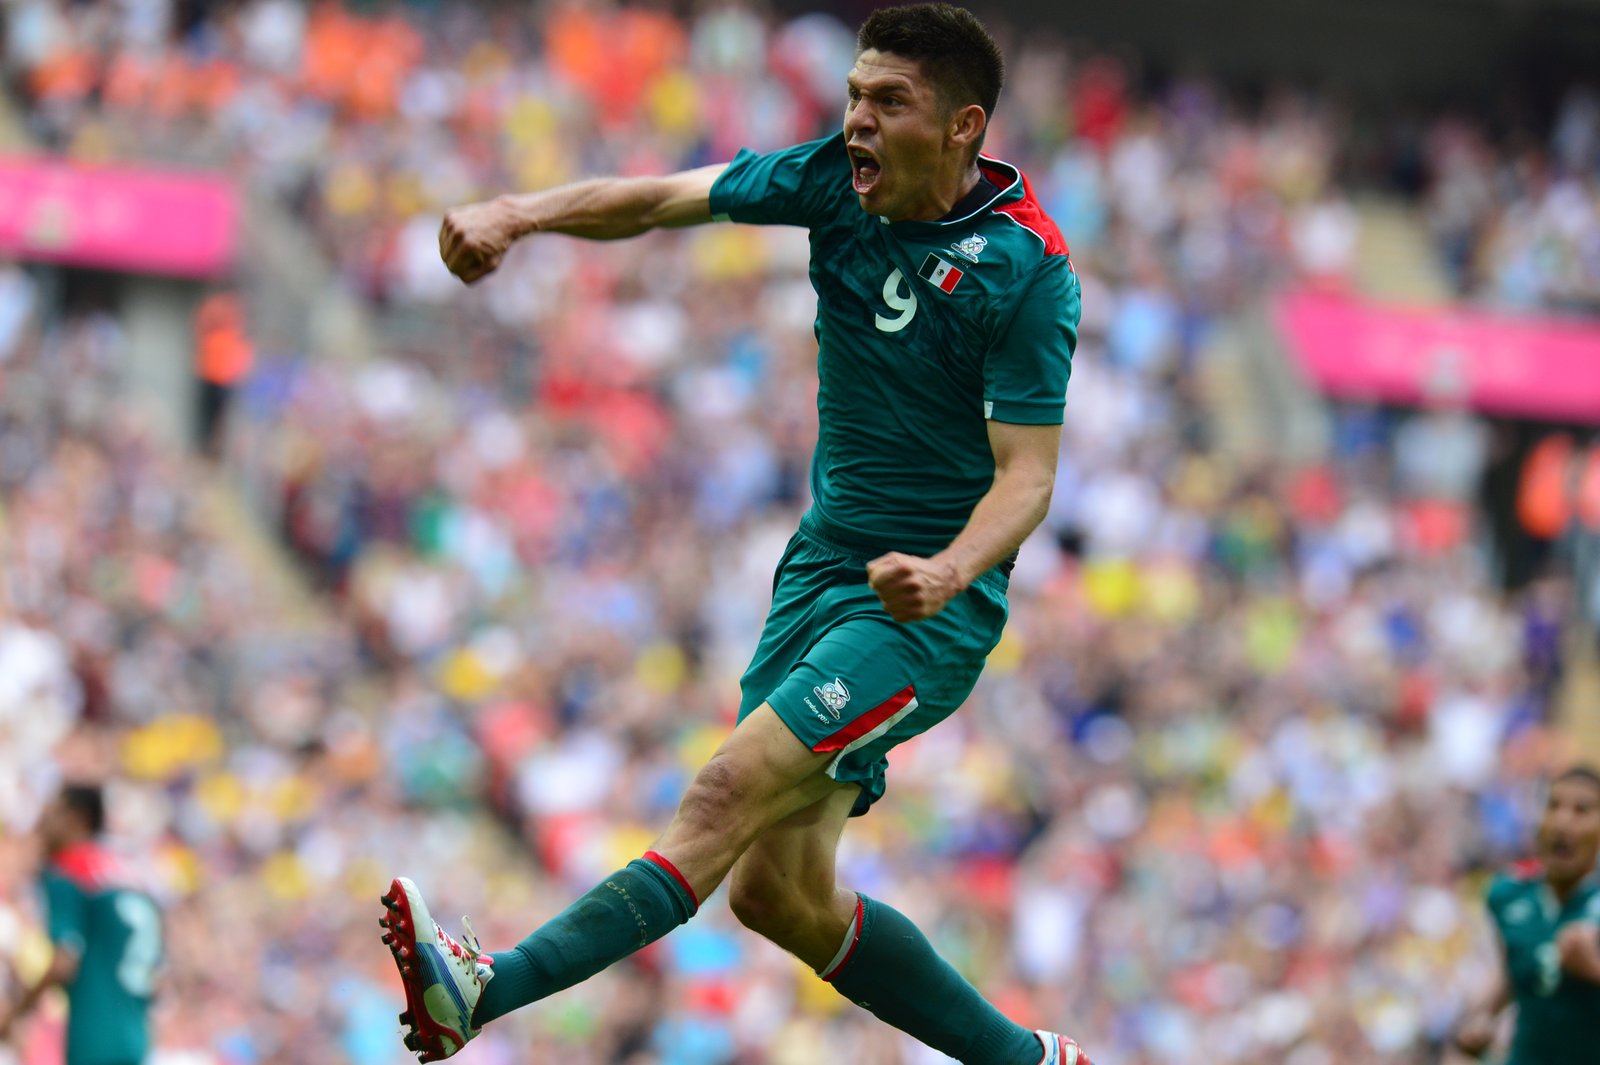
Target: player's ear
[(966, 126)]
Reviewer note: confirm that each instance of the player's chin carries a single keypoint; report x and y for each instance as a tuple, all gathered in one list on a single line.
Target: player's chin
[(872, 199), (1564, 866)]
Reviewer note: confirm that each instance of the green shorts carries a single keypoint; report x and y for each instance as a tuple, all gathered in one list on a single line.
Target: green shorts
[(845, 676)]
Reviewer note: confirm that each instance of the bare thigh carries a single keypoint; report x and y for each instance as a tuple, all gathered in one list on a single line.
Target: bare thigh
[(785, 885), (761, 775)]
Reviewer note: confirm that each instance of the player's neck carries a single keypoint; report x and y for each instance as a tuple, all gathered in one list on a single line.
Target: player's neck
[(56, 848), (947, 193), (1563, 889)]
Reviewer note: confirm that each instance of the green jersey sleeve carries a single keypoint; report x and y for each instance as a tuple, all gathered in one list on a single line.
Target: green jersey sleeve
[(799, 186), (1025, 375), (1502, 891), (68, 921)]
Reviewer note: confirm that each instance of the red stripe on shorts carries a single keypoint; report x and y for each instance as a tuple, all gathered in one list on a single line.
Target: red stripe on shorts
[(867, 721)]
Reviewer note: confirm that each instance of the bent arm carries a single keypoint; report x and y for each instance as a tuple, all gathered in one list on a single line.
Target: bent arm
[(1025, 467), (1024, 477), (1579, 944)]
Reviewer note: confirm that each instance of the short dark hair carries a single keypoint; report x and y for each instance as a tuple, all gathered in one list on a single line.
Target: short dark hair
[(1579, 772), (955, 51), (88, 801)]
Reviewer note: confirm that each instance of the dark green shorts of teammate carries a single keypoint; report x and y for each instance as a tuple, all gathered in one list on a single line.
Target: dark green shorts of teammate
[(849, 679)]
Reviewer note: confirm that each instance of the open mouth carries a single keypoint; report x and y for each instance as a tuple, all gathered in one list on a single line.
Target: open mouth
[(864, 170)]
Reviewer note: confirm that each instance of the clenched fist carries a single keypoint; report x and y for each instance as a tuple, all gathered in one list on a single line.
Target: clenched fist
[(475, 237), (913, 588), (1475, 1034)]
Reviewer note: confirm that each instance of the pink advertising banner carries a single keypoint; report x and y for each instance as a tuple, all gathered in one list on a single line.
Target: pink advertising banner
[(1529, 366), (117, 218)]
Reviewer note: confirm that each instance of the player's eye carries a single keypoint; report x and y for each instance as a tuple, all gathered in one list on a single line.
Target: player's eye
[(855, 94)]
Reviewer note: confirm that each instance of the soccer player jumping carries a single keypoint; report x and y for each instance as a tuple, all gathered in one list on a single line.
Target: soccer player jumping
[(1548, 915), (106, 937), (947, 316)]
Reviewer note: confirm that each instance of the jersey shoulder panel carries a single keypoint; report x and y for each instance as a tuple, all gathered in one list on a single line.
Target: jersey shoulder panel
[(1032, 246), (1028, 214), (89, 867), (1502, 889)]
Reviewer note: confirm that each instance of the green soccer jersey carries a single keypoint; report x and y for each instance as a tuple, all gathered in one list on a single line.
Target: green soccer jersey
[(1558, 1015), (116, 933), (925, 330)]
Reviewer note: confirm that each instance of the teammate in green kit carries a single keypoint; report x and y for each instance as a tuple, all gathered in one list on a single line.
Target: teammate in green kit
[(1548, 915), (107, 938), (947, 315)]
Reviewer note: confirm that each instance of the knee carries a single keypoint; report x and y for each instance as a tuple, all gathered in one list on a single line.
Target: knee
[(720, 798), (771, 906)]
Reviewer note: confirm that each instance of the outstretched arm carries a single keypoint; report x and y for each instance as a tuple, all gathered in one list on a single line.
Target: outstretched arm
[(1024, 474), (63, 967), (475, 237), (1475, 1031)]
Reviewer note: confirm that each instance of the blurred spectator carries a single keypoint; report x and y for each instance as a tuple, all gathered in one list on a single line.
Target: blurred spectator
[(223, 355), (1523, 229)]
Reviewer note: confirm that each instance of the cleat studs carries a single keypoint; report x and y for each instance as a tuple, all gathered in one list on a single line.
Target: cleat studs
[(407, 1019), (388, 938), (412, 1042)]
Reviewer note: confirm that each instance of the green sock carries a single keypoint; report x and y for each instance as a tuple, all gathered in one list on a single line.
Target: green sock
[(888, 967), (627, 911)]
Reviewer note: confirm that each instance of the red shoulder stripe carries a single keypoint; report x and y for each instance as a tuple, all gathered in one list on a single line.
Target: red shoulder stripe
[(1027, 213), (1528, 869), (88, 866)]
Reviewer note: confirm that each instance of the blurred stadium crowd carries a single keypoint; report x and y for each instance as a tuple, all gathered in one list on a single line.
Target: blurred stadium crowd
[(1250, 725)]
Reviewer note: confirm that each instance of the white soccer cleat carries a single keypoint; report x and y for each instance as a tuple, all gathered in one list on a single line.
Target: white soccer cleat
[(443, 978), (1059, 1050)]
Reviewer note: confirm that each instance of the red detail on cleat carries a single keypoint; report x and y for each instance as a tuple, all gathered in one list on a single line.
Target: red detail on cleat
[(429, 1040), (1063, 1046)]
